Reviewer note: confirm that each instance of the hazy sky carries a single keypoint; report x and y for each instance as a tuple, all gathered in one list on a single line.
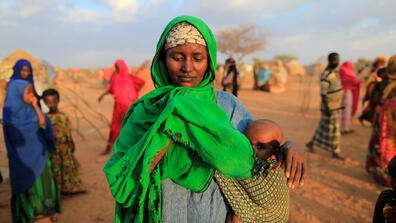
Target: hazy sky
[(94, 33)]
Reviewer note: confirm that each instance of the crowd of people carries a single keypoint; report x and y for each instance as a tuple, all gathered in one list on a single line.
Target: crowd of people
[(185, 152), (382, 101), (267, 76), (339, 92)]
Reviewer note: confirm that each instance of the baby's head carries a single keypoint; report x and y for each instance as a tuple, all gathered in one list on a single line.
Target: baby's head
[(265, 136), (51, 99)]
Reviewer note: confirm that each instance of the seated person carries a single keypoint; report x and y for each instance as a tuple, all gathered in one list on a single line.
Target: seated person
[(264, 197)]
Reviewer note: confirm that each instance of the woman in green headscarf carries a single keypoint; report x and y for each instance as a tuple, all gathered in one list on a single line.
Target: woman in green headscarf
[(178, 132)]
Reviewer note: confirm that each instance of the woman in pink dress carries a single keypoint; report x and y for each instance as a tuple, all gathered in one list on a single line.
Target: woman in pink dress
[(125, 88), (351, 86)]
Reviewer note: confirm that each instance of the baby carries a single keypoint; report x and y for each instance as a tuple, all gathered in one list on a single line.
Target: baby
[(264, 197)]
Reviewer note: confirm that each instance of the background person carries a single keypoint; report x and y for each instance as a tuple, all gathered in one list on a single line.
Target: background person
[(125, 89), (63, 157), (328, 133), (230, 79), (351, 86), (29, 140)]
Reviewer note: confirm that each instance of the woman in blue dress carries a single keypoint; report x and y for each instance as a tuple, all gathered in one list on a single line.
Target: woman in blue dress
[(29, 141)]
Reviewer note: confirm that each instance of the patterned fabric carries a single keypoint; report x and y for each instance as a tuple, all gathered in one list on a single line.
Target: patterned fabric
[(373, 161), (65, 163), (382, 143), (327, 135), (378, 155), (264, 198), (42, 198), (387, 121), (346, 114), (330, 86), (183, 33)]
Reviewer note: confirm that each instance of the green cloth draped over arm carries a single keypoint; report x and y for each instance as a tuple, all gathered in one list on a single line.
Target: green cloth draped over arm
[(202, 135)]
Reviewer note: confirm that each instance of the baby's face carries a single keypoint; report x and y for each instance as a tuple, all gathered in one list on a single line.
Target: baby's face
[(265, 140)]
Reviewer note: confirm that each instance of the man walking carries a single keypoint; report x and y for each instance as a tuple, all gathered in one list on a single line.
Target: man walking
[(327, 135)]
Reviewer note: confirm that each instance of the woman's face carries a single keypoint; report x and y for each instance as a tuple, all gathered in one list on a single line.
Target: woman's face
[(25, 72), (187, 64)]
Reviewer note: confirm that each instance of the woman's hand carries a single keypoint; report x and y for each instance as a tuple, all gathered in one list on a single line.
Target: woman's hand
[(100, 98), (28, 95), (34, 100), (102, 95), (292, 159)]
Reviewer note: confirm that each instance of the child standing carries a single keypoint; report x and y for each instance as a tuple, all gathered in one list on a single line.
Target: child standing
[(65, 163)]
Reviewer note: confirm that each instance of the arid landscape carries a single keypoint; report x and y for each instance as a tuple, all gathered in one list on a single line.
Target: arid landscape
[(335, 191)]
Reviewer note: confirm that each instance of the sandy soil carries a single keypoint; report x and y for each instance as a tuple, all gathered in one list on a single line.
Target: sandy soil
[(336, 191)]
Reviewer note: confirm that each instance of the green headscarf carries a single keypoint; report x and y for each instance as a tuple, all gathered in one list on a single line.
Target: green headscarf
[(182, 128)]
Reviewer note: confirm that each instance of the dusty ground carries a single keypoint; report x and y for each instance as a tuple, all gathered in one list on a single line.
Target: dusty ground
[(335, 191)]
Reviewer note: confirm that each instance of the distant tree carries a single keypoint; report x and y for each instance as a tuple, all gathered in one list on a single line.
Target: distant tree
[(256, 61), (361, 62), (241, 40), (285, 57)]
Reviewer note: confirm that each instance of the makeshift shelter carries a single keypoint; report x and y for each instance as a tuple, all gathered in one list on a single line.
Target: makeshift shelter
[(40, 71), (294, 68), (133, 70), (49, 68), (245, 70), (108, 72), (144, 73)]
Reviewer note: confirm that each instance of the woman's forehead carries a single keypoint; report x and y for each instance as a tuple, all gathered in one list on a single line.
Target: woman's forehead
[(190, 48)]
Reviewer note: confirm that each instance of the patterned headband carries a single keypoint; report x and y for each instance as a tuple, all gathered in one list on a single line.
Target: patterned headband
[(183, 33)]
